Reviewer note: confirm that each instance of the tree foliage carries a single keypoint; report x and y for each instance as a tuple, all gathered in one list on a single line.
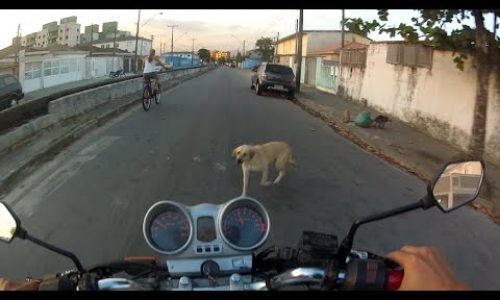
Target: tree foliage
[(204, 54), (265, 47)]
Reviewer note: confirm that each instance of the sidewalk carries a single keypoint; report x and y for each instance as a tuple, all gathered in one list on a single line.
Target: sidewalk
[(398, 143)]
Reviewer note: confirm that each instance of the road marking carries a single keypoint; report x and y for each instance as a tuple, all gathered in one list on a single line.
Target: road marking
[(41, 185)]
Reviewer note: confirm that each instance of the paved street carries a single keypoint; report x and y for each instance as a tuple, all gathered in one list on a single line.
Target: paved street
[(92, 197)]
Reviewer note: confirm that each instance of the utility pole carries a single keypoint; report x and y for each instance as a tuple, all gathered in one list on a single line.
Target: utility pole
[(192, 53), (137, 40), (276, 55), (18, 46), (114, 41), (152, 38), (172, 44), (91, 37), (296, 38), (342, 26), (299, 54)]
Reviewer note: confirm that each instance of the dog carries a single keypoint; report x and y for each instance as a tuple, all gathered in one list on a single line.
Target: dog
[(257, 158), (380, 121)]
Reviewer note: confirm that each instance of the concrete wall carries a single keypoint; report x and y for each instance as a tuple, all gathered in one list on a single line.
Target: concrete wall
[(439, 100), (350, 82), (79, 103)]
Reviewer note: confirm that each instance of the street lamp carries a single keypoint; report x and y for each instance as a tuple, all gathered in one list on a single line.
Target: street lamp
[(137, 33)]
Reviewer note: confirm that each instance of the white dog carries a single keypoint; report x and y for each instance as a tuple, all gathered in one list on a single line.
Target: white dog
[(259, 157)]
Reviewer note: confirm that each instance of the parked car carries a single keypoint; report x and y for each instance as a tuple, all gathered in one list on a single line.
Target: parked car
[(276, 77), (10, 91)]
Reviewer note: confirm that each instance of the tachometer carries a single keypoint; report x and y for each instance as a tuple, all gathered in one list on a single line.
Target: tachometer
[(167, 227), (244, 224)]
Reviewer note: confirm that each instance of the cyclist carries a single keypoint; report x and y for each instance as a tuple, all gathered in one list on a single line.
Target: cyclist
[(150, 68)]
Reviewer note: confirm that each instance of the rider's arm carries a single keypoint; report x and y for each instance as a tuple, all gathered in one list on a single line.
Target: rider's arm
[(157, 58), (12, 285), (425, 269)]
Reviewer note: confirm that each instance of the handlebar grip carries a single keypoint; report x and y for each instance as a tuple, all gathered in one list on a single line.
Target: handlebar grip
[(371, 274), (394, 279)]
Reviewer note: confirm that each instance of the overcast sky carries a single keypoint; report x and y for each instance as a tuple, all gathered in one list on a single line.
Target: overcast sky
[(211, 29)]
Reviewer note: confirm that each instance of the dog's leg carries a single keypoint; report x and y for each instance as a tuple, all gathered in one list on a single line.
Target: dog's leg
[(280, 176), (245, 181), (265, 175)]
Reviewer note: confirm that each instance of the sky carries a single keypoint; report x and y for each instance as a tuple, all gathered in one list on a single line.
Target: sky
[(212, 29)]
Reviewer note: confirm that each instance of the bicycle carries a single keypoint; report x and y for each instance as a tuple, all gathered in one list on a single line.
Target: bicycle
[(148, 93)]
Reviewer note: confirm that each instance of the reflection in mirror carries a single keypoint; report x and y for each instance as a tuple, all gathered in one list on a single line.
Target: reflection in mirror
[(458, 184), (8, 224)]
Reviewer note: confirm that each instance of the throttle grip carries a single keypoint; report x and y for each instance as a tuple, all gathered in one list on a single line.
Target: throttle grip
[(371, 274)]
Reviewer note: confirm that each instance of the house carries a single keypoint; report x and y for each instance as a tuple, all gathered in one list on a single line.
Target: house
[(126, 43), (216, 54), (334, 61), (252, 58), (181, 59), (57, 64), (286, 49)]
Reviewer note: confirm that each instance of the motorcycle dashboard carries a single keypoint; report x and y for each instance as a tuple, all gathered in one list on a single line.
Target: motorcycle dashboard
[(206, 230)]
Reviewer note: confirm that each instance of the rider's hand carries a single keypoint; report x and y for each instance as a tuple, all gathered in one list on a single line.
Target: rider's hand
[(12, 285), (425, 269)]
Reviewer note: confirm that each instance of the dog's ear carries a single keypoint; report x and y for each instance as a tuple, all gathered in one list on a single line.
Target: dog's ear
[(251, 153), (234, 152)]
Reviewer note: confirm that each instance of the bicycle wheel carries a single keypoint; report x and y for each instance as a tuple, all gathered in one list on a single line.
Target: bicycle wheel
[(146, 98)]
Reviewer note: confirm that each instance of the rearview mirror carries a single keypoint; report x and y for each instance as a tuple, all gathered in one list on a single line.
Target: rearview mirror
[(458, 184), (8, 223)]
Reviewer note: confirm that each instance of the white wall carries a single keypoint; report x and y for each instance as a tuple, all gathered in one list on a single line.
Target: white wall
[(439, 100), (351, 82)]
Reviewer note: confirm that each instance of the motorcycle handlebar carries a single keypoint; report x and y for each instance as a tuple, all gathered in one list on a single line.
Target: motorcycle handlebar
[(390, 280)]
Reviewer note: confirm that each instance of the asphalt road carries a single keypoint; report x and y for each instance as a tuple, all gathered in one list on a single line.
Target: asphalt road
[(91, 198)]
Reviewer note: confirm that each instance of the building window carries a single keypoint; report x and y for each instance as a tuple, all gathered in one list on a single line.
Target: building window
[(61, 30), (66, 37), (67, 29), (33, 70)]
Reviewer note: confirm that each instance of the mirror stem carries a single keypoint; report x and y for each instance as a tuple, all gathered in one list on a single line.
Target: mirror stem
[(346, 246), (76, 261)]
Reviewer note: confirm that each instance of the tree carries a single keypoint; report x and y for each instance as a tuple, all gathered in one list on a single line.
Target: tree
[(479, 43), (265, 47), (222, 60), (204, 54), (239, 57)]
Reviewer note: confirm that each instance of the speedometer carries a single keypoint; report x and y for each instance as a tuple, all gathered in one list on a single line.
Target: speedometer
[(244, 224), (167, 227)]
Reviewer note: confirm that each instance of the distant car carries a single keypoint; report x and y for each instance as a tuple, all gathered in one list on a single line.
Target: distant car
[(233, 66), (276, 77), (10, 91)]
